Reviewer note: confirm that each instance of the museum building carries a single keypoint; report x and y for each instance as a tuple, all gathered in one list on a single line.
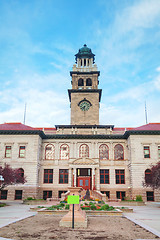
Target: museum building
[(102, 158)]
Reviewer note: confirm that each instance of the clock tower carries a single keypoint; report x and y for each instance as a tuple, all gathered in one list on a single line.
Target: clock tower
[(84, 95)]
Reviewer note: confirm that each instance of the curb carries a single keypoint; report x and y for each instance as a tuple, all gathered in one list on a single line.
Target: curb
[(155, 232)]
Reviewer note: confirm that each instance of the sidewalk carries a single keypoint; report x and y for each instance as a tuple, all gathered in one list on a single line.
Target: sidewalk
[(146, 216), (14, 212)]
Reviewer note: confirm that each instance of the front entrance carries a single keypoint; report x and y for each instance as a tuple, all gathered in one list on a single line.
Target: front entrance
[(84, 182), (84, 179)]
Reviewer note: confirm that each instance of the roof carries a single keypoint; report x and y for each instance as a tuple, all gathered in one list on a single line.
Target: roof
[(148, 127), (85, 52), (15, 126)]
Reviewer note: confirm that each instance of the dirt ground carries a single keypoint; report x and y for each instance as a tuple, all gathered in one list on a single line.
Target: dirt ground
[(46, 227)]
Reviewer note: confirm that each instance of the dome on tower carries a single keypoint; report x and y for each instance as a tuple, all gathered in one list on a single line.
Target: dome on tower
[(84, 52)]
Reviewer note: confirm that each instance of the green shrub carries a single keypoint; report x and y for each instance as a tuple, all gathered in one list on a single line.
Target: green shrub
[(40, 206), (67, 207), (93, 207), (62, 204), (3, 204), (86, 204), (139, 198), (30, 198), (105, 207), (110, 208)]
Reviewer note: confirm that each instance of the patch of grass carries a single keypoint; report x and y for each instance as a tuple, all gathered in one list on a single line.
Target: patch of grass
[(3, 204)]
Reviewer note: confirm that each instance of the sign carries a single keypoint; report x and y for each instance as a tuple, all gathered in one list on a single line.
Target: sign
[(73, 199)]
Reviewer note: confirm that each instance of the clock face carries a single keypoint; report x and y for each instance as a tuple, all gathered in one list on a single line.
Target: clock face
[(84, 106)]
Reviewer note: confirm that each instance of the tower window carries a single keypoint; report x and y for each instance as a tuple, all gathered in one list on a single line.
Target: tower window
[(84, 62), (80, 82), (88, 82)]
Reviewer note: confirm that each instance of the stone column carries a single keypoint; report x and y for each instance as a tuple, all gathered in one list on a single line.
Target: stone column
[(70, 177), (74, 175), (97, 180)]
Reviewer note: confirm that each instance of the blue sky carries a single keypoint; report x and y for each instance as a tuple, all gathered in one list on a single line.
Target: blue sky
[(38, 41)]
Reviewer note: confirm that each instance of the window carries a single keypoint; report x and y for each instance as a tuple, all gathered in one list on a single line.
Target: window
[(18, 194), (80, 82), (88, 82), (146, 152), (120, 177), (120, 195), (104, 176), (60, 193), (158, 151), (63, 176), (150, 196), (47, 194), (107, 193), (49, 152), (22, 151), (48, 175), (64, 152), (118, 152), (21, 172), (8, 152), (3, 194), (103, 152), (148, 176), (84, 151)]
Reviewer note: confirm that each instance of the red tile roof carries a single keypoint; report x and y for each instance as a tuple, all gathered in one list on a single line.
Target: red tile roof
[(149, 127), (15, 126)]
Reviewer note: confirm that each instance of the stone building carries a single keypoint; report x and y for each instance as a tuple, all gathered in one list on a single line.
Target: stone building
[(105, 159)]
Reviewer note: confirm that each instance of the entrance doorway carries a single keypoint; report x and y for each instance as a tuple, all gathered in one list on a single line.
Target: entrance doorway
[(84, 178)]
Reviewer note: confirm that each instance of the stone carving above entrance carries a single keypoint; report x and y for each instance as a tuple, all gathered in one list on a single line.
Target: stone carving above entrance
[(84, 161)]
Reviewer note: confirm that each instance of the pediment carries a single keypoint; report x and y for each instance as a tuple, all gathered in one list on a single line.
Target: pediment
[(84, 161)]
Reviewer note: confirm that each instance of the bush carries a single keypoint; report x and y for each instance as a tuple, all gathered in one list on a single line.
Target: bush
[(105, 207), (67, 207), (30, 198), (93, 207), (3, 204), (139, 198), (62, 204), (110, 208)]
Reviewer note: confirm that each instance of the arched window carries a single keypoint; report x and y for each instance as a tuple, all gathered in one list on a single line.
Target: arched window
[(21, 172), (118, 152), (89, 82), (84, 151), (148, 176), (64, 152), (103, 152), (80, 82), (49, 152)]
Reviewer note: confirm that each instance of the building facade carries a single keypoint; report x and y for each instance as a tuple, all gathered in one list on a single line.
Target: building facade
[(102, 158)]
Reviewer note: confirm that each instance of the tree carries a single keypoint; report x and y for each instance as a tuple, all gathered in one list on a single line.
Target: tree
[(153, 179), (11, 176)]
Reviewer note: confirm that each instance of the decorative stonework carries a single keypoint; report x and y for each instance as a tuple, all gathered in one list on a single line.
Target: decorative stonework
[(84, 161)]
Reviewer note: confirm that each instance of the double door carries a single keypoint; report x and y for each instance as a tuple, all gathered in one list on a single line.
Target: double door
[(84, 182)]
